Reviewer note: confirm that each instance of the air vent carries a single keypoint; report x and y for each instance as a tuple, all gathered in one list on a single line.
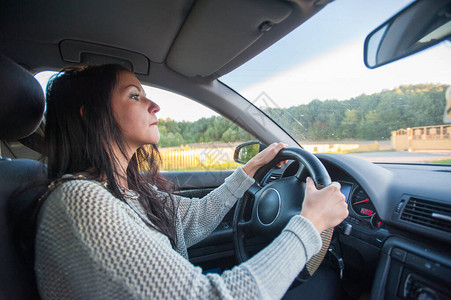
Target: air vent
[(428, 213), (272, 177)]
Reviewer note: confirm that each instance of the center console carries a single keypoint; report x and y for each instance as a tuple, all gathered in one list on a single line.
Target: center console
[(411, 270)]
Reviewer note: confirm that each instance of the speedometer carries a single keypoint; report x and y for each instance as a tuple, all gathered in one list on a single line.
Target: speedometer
[(361, 204)]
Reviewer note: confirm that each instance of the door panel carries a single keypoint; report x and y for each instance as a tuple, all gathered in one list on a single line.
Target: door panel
[(186, 181)]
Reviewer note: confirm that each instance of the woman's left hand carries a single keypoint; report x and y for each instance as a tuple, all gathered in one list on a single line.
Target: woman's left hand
[(263, 158)]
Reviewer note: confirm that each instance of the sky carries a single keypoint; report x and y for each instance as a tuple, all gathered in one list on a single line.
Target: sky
[(349, 78), (322, 59)]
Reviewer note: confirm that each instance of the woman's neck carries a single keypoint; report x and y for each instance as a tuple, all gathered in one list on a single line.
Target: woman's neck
[(121, 162)]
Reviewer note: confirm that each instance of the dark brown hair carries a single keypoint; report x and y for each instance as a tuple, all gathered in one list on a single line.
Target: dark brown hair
[(82, 142)]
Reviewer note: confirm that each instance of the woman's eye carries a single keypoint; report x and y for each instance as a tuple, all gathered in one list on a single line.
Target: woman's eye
[(134, 97)]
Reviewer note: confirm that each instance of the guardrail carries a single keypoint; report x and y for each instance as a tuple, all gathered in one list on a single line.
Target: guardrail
[(436, 137)]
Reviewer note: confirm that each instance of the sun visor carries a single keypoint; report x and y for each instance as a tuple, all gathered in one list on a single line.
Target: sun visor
[(216, 31), (90, 53)]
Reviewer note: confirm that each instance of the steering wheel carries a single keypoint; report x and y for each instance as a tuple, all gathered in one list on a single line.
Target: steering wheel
[(274, 204)]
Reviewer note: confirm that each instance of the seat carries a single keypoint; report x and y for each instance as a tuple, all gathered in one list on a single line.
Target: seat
[(21, 180)]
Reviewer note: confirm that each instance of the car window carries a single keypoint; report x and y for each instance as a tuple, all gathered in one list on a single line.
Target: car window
[(325, 97), (192, 136)]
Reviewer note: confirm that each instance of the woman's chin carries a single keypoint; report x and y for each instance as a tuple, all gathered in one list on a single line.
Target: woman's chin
[(155, 139), (155, 136)]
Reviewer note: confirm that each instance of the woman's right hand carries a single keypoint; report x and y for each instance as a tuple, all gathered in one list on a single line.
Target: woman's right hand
[(325, 208)]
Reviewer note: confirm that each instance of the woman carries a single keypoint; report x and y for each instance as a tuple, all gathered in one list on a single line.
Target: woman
[(107, 231)]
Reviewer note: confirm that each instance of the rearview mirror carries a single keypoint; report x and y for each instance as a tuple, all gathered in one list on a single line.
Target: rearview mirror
[(419, 26), (244, 152)]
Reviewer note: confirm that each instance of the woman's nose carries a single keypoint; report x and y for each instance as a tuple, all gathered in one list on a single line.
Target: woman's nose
[(153, 107)]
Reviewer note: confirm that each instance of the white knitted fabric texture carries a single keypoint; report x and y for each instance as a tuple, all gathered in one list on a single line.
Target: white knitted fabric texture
[(91, 245)]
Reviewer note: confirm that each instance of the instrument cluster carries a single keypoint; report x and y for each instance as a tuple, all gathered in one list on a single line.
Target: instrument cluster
[(361, 209)]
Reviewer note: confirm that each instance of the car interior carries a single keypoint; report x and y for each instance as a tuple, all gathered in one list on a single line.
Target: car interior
[(396, 242)]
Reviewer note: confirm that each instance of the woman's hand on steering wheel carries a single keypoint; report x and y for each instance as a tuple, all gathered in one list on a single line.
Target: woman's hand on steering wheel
[(263, 158), (325, 208)]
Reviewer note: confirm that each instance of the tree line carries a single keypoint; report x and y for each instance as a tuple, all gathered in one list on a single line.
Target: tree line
[(366, 117)]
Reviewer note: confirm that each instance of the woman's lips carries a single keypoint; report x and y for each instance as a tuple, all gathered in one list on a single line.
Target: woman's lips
[(154, 123)]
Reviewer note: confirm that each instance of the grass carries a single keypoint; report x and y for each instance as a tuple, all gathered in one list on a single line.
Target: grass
[(442, 162)]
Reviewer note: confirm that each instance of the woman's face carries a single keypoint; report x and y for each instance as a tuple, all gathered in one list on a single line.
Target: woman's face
[(134, 112)]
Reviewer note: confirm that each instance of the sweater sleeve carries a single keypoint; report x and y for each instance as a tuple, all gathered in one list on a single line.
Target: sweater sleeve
[(91, 245), (199, 217)]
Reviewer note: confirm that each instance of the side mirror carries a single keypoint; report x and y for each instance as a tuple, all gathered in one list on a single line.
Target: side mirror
[(244, 152), (421, 25)]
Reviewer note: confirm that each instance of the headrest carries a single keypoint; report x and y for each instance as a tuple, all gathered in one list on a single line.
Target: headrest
[(22, 101)]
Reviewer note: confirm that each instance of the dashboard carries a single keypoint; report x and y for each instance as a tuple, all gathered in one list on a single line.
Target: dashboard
[(396, 240)]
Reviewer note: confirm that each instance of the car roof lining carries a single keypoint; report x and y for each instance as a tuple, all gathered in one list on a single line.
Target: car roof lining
[(146, 27), (204, 38)]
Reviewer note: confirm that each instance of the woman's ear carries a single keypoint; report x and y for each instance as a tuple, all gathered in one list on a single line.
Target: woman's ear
[(82, 108)]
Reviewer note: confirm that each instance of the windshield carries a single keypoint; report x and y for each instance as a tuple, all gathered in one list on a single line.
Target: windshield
[(314, 84)]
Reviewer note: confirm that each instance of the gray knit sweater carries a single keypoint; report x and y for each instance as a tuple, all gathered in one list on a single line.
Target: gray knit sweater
[(91, 245)]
